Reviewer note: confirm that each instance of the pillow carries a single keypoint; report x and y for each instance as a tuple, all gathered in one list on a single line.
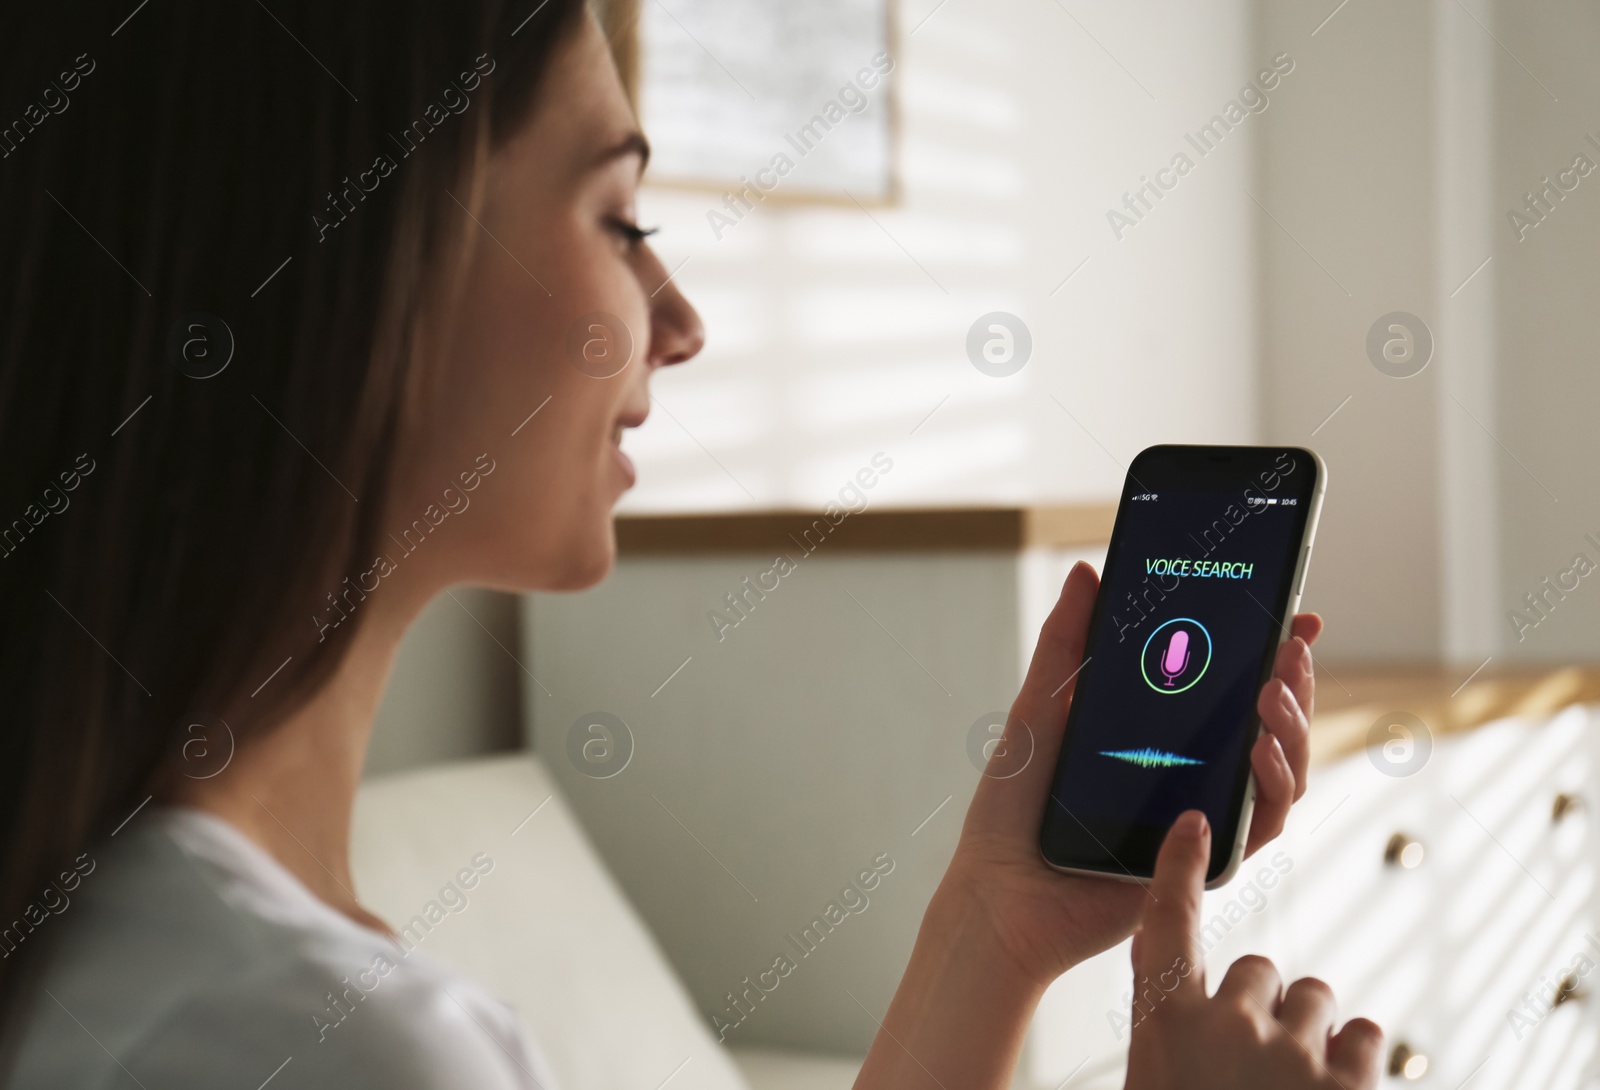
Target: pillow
[(451, 857)]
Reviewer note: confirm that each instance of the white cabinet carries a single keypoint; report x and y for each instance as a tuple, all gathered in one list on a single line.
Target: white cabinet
[(1447, 905), (1362, 912), (1515, 884)]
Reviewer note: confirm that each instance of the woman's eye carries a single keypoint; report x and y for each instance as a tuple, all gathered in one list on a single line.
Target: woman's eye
[(630, 232)]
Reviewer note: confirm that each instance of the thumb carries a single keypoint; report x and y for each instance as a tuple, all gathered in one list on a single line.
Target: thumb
[(1012, 796), (1169, 945)]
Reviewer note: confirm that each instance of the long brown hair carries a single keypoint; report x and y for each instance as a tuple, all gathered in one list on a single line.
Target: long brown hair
[(217, 222)]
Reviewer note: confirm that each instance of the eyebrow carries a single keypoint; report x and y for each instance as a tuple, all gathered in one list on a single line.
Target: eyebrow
[(632, 144)]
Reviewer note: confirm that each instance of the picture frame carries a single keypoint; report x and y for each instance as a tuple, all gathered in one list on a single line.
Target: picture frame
[(820, 127)]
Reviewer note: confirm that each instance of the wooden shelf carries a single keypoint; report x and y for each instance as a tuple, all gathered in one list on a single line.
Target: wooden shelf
[(932, 529)]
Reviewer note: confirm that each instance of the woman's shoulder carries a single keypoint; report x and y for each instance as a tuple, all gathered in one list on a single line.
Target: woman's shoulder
[(182, 957), (386, 1026)]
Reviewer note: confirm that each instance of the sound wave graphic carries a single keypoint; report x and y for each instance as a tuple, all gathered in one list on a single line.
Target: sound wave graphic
[(1150, 758)]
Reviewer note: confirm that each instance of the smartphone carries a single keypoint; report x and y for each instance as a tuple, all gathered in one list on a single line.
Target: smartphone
[(1207, 562)]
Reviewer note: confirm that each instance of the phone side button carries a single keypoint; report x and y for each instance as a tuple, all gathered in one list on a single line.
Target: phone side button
[(1305, 566)]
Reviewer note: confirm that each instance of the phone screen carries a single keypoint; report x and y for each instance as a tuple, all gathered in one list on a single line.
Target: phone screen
[(1188, 619)]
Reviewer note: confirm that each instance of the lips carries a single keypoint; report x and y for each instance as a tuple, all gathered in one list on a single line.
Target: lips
[(624, 422)]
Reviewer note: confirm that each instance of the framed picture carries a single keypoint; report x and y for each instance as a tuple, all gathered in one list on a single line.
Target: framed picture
[(795, 99)]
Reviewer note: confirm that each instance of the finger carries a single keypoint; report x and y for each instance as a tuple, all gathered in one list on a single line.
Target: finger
[(1295, 665), (1307, 1012), (1059, 652), (1013, 796), (1253, 981), (1308, 626), (1355, 1054), (1169, 945), (1282, 718), (1275, 788)]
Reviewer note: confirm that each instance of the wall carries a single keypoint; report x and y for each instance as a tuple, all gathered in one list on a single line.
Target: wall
[(1548, 383), (1455, 492), (1347, 174), (833, 335)]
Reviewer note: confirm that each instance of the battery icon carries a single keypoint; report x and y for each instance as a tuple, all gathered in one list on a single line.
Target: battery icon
[(1270, 502)]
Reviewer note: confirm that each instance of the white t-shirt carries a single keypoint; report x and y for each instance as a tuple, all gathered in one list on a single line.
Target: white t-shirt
[(188, 957)]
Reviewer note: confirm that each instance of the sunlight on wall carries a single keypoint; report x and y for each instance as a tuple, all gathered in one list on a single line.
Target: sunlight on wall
[(836, 331)]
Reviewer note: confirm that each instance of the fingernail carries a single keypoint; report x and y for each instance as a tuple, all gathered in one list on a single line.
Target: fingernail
[(1191, 824), (1065, 582)]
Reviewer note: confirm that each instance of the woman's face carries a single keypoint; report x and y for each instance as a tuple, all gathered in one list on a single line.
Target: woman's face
[(535, 377)]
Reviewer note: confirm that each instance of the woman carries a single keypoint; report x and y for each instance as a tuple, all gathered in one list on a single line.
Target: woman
[(277, 280)]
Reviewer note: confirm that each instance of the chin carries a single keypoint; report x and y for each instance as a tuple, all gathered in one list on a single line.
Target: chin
[(585, 562)]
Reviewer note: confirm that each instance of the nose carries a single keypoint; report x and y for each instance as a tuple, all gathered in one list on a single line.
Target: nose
[(676, 334)]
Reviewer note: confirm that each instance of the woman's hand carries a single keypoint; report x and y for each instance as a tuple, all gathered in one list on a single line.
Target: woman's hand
[(1003, 925), (1044, 922), (1253, 1032)]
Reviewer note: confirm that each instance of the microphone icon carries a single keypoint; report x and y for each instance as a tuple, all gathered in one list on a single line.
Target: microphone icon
[(1178, 652), (1176, 657)]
